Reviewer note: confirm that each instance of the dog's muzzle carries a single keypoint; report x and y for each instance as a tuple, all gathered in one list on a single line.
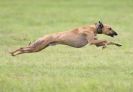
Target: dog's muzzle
[(113, 33)]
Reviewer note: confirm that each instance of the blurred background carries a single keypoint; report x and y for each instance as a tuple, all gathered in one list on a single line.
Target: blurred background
[(62, 68)]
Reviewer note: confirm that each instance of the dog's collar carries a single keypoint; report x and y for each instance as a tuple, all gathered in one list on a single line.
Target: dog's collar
[(98, 30)]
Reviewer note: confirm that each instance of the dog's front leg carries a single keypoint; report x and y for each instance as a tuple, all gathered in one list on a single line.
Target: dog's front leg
[(99, 43), (103, 43)]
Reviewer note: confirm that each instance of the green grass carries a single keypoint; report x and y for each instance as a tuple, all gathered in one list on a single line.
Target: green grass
[(62, 68)]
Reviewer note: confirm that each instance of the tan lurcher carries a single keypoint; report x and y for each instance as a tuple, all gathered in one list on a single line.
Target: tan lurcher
[(77, 38)]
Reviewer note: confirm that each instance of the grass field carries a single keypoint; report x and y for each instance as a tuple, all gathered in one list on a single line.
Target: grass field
[(62, 68)]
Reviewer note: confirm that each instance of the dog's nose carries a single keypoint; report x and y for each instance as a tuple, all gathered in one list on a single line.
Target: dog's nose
[(115, 33)]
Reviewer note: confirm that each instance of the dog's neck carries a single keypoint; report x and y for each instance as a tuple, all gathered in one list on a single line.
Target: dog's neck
[(98, 31), (94, 29)]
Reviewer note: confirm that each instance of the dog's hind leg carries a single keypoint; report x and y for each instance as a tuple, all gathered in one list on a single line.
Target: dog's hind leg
[(34, 47), (22, 50), (25, 50), (28, 49)]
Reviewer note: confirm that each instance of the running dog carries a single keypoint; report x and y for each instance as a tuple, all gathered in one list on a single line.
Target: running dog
[(77, 38)]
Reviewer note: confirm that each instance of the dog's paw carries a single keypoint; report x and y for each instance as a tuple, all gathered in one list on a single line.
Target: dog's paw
[(119, 45), (103, 47), (12, 54)]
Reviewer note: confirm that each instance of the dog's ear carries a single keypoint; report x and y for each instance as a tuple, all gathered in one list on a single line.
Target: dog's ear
[(100, 24), (99, 27)]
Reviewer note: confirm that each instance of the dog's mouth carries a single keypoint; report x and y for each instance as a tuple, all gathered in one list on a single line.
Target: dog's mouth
[(113, 34)]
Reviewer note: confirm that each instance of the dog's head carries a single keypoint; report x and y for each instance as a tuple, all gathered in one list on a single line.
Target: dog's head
[(105, 29)]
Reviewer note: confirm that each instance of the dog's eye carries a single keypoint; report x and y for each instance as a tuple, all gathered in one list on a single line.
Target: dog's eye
[(110, 28)]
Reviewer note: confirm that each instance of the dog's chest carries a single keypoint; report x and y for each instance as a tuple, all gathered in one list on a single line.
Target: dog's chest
[(80, 41), (75, 40)]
